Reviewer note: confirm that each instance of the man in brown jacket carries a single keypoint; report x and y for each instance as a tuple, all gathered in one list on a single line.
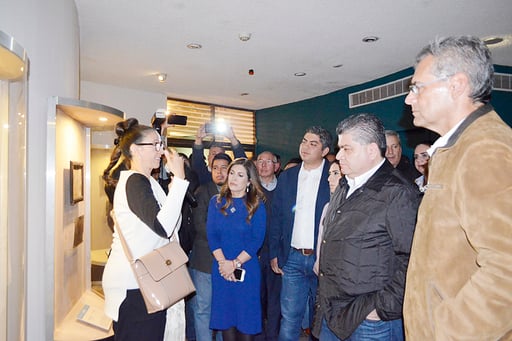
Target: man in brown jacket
[(459, 279)]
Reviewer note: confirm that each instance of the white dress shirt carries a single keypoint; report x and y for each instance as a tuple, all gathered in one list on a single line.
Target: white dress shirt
[(303, 234)]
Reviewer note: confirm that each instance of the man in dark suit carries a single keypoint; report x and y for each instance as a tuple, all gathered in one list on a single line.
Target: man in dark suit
[(267, 165), (301, 193), (396, 158)]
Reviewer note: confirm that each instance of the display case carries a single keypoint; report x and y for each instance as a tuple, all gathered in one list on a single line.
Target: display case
[(13, 156), (78, 310)]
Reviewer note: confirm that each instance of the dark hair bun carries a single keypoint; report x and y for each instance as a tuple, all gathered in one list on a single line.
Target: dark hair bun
[(123, 126)]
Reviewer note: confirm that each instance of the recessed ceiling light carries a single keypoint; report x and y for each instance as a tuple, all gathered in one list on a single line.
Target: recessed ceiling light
[(370, 39), (299, 74), (337, 66), (194, 46), (493, 40), (161, 77), (103, 119), (244, 36)]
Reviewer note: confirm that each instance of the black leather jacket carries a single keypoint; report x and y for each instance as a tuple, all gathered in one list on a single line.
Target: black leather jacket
[(365, 251)]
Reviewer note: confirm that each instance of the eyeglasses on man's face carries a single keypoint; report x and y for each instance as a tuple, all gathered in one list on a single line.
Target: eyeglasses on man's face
[(416, 87), (266, 162), (158, 145)]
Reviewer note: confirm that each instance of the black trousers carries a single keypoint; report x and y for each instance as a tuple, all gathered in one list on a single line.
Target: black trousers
[(134, 322)]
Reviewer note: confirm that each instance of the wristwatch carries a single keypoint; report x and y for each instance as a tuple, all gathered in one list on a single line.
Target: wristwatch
[(237, 263)]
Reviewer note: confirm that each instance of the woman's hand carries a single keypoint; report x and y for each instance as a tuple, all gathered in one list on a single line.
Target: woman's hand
[(174, 163), (226, 269)]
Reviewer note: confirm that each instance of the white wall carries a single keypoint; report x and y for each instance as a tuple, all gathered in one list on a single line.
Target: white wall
[(69, 267), (48, 30), (134, 103)]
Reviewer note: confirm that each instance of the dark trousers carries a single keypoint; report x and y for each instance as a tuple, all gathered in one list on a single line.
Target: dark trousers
[(270, 300), (134, 322)]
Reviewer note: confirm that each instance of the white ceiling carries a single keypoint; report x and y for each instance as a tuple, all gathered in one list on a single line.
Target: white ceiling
[(126, 42)]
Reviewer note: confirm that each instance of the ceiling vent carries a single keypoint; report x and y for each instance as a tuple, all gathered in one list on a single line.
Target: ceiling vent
[(502, 82)]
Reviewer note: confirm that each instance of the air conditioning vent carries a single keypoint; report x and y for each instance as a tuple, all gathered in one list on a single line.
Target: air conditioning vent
[(379, 93), (502, 82)]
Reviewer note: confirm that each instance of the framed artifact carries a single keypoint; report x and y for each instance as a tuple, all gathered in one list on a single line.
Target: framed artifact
[(76, 181)]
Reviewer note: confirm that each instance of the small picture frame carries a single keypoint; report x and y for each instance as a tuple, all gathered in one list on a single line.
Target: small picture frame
[(76, 181)]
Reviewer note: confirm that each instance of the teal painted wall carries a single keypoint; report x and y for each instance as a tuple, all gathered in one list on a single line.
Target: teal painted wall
[(280, 129)]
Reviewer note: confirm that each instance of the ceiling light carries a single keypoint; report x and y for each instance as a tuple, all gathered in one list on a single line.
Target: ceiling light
[(244, 36), (493, 40), (161, 77), (370, 39), (299, 74), (194, 46), (103, 119)]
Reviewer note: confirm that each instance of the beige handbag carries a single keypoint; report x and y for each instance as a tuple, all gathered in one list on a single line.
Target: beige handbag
[(162, 274)]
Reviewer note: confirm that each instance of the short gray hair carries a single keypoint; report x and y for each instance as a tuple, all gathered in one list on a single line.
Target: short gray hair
[(465, 54), (365, 129), (393, 133)]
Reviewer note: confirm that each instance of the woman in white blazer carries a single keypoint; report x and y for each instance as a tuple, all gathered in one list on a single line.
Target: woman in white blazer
[(147, 218)]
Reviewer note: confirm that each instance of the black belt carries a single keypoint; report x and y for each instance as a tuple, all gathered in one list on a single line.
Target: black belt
[(305, 252)]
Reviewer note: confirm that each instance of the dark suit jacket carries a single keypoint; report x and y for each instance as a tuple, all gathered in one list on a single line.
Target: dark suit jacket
[(283, 211), (201, 258)]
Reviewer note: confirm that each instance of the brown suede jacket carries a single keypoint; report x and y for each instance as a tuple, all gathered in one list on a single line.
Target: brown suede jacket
[(459, 280)]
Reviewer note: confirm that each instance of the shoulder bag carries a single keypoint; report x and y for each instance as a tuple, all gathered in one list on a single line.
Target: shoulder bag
[(162, 274)]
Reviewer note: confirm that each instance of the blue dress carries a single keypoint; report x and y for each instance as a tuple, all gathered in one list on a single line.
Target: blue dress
[(236, 304)]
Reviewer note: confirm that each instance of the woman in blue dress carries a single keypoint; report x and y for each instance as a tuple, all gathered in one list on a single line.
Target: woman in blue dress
[(236, 229)]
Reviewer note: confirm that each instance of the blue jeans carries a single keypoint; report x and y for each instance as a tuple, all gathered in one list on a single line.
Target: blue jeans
[(299, 283), (202, 304), (369, 330)]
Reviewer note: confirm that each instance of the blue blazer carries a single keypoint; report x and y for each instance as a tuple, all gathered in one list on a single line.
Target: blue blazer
[(283, 211)]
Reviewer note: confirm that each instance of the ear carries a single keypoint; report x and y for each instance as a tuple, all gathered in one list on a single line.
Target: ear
[(373, 151), (325, 151), (459, 85)]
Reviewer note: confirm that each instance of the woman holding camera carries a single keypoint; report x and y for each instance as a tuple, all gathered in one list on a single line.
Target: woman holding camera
[(146, 217), (236, 229)]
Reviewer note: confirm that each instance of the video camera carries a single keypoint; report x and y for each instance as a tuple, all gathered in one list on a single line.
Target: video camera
[(160, 116)]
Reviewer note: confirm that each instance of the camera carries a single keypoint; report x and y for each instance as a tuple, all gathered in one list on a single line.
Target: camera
[(160, 116), (215, 127)]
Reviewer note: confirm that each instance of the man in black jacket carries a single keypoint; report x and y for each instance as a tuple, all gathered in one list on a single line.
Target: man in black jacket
[(396, 158), (366, 242)]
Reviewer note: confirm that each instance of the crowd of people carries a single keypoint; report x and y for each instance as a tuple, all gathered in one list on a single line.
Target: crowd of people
[(350, 243)]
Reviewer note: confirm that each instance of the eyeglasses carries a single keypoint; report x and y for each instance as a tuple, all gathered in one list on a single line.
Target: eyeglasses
[(415, 87), (267, 162), (422, 156), (158, 145)]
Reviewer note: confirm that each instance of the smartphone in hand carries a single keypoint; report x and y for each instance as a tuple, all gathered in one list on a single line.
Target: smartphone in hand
[(239, 274)]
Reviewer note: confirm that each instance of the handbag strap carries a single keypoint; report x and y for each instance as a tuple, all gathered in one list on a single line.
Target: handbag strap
[(121, 237), (123, 241)]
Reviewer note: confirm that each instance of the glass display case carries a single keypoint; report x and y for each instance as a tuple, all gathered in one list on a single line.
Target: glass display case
[(13, 155)]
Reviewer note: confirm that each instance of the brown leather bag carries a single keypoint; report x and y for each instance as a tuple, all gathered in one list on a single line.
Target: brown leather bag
[(162, 274)]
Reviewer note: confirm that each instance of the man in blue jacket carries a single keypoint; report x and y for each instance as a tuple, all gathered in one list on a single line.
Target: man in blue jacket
[(301, 193)]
